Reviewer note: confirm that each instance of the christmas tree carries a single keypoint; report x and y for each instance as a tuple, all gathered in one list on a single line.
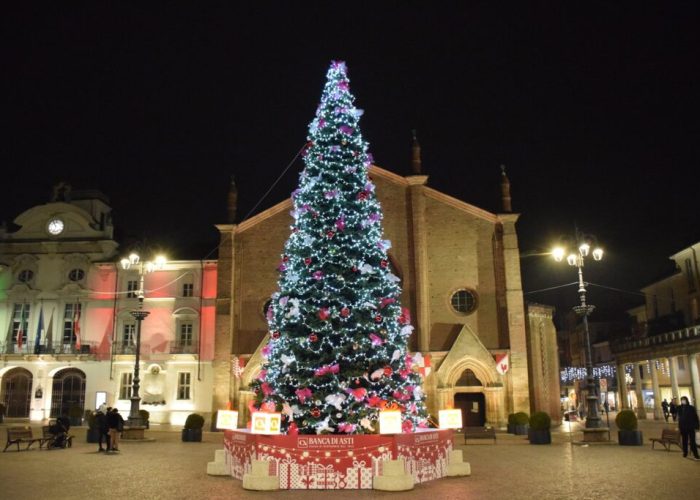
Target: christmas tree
[(337, 351)]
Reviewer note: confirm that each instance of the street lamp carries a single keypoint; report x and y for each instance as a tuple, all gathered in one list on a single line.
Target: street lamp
[(577, 259), (134, 261)]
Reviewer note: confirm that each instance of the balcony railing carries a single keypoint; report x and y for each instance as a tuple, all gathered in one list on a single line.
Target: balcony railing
[(182, 348), (53, 348), (672, 337)]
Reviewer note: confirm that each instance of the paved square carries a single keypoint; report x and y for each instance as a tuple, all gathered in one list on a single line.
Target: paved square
[(510, 469)]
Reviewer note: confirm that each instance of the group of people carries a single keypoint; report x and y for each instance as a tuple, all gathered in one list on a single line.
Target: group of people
[(688, 423), (110, 424), (670, 409)]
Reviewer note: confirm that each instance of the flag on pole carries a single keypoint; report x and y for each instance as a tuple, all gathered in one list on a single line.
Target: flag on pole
[(76, 326), (49, 333), (39, 331), (20, 332)]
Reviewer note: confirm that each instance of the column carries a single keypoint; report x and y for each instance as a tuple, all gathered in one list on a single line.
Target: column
[(658, 414), (694, 378), (417, 197), (623, 404), (641, 411), (673, 371)]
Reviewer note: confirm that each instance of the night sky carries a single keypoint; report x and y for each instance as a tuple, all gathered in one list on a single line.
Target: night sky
[(593, 109)]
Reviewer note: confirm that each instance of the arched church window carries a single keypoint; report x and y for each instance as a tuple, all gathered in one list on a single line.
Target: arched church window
[(468, 379)]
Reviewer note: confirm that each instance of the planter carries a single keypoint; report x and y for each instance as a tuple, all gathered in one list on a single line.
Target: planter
[(193, 435), (521, 430), (93, 435), (540, 436), (511, 428), (630, 438)]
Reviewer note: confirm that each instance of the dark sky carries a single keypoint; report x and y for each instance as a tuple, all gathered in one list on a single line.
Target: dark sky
[(592, 107)]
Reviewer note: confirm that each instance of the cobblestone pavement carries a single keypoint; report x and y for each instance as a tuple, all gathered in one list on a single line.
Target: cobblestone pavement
[(511, 469)]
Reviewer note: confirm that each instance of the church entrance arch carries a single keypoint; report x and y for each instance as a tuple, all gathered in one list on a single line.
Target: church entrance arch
[(68, 391), (16, 392), (469, 397)]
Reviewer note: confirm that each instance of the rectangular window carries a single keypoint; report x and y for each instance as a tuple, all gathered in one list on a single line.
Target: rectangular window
[(689, 275), (681, 363), (129, 334), (188, 290), (20, 321), (125, 385), (132, 287), (183, 385), (69, 315), (185, 334)]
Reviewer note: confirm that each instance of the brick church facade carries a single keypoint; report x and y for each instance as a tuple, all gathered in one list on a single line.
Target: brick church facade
[(460, 271)]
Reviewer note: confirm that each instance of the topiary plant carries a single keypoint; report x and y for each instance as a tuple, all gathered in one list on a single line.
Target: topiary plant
[(511, 419), (194, 421), (626, 420), (521, 418), (540, 421)]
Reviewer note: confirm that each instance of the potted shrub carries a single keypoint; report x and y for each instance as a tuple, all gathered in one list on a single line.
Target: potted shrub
[(75, 414), (144, 417), (93, 430), (2, 413), (521, 422), (539, 433), (511, 423), (627, 433), (193, 428)]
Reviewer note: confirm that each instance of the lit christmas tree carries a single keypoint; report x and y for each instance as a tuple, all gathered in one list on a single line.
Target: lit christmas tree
[(337, 351)]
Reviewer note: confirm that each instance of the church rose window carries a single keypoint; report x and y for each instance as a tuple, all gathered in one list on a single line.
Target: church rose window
[(464, 301)]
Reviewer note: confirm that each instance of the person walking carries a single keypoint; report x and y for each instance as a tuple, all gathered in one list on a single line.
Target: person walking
[(673, 409), (116, 426), (664, 408), (688, 423)]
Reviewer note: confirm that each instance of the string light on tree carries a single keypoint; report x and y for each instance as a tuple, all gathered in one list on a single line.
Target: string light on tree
[(337, 351)]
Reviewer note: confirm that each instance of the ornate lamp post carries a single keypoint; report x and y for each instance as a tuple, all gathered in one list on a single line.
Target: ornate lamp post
[(134, 261), (577, 259)]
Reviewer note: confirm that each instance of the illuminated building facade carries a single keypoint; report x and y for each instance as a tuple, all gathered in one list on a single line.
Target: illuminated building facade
[(67, 338)]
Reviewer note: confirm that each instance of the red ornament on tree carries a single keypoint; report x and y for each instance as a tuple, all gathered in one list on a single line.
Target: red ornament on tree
[(383, 263), (315, 412), (388, 371), (307, 261), (330, 234), (324, 314), (275, 335), (345, 312), (378, 318), (313, 337)]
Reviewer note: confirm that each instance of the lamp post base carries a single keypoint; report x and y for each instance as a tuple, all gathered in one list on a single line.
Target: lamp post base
[(597, 435)]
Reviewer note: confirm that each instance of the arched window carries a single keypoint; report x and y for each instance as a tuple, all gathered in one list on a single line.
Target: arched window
[(68, 392), (16, 392)]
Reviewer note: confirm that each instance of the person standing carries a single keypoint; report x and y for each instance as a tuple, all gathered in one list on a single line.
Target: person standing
[(102, 428), (664, 408), (673, 409), (116, 425), (688, 423)]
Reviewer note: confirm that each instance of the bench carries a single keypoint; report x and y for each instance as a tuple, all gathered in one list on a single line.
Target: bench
[(668, 437), (20, 435), (479, 433)]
